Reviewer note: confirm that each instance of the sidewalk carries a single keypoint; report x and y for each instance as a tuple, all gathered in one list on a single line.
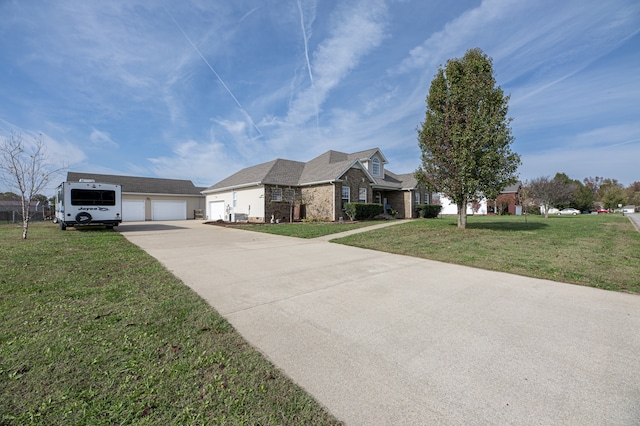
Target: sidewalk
[(359, 230)]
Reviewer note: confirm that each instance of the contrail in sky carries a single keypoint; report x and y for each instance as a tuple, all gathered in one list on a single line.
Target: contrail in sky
[(216, 74), (306, 55)]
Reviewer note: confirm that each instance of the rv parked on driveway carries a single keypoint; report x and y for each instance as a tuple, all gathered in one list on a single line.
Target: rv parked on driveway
[(88, 203)]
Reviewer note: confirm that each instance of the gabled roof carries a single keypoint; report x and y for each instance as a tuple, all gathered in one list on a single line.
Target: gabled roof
[(276, 172), (141, 185), (512, 188), (368, 155), (327, 167)]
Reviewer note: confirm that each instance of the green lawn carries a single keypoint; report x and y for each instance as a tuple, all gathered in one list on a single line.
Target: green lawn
[(95, 331), (309, 229), (593, 250)]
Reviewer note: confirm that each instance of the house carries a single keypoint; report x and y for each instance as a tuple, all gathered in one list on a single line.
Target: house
[(286, 190), (146, 198), (508, 201)]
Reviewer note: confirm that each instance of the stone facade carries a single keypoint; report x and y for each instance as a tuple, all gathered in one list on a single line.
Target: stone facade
[(280, 203), (319, 202)]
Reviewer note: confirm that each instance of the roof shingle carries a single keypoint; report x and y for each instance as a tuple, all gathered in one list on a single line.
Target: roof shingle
[(141, 185)]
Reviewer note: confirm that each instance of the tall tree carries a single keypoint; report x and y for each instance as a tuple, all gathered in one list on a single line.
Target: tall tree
[(466, 136), (550, 192), (24, 169), (633, 194), (613, 196)]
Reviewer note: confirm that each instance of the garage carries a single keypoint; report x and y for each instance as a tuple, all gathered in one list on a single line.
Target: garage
[(133, 211), (168, 210), (216, 210)]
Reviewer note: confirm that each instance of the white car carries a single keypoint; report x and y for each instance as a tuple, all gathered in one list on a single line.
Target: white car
[(569, 211)]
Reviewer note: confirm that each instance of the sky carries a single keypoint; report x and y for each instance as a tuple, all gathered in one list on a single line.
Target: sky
[(199, 89)]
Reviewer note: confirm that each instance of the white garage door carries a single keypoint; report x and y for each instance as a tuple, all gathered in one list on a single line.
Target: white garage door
[(216, 210), (168, 210), (132, 210)]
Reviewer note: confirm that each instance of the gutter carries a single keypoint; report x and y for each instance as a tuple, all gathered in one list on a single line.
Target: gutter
[(229, 188)]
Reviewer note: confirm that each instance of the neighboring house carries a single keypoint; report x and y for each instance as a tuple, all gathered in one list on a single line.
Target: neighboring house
[(286, 190), (152, 198), (629, 209), (450, 208), (507, 201)]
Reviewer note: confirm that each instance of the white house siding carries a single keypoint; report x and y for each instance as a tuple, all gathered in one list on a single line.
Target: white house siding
[(249, 204), (449, 207)]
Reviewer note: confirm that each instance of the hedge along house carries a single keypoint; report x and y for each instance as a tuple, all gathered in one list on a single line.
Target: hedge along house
[(286, 190), (145, 199)]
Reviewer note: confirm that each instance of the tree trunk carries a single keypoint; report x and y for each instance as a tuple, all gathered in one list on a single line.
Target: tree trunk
[(25, 219), (462, 214)]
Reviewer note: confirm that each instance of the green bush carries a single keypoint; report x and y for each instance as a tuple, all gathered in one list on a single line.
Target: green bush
[(429, 211), (363, 211)]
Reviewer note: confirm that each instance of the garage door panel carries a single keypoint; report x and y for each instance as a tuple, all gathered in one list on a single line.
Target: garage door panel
[(168, 210), (133, 210), (216, 210)]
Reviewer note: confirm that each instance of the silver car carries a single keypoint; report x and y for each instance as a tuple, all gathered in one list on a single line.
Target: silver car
[(569, 211)]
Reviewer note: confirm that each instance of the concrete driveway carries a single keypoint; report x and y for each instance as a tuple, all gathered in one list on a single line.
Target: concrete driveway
[(383, 339)]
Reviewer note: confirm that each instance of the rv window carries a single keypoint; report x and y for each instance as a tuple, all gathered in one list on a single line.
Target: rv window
[(92, 197)]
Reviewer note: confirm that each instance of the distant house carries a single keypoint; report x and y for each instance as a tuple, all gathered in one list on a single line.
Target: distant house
[(146, 198), (507, 202), (318, 189)]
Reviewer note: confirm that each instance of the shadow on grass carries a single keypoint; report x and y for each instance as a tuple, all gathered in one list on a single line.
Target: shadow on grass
[(507, 226)]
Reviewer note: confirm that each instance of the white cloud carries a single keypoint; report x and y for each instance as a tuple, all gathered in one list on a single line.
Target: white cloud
[(356, 30), (101, 140)]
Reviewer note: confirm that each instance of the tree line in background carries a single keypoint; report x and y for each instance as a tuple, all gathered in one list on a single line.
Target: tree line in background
[(591, 194)]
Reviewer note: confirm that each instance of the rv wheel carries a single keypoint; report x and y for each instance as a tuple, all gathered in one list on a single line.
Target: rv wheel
[(63, 226), (83, 218)]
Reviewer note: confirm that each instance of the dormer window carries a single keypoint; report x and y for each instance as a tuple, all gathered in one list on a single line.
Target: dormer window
[(375, 166)]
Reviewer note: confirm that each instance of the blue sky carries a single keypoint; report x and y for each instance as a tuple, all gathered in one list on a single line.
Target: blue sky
[(199, 89)]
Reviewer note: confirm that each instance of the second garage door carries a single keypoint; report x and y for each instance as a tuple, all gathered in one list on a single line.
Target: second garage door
[(132, 210), (168, 210)]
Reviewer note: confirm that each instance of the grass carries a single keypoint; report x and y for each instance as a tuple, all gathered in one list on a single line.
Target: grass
[(309, 229), (95, 331), (594, 250)]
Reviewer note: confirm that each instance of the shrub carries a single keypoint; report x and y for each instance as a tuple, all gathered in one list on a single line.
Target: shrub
[(362, 211), (429, 211)]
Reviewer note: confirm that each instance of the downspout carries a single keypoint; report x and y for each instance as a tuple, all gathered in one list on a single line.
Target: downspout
[(333, 185)]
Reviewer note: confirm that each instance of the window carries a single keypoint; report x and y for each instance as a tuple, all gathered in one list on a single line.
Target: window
[(416, 197), (346, 195), (426, 198), (378, 198), (362, 195), (289, 195), (92, 197), (235, 199), (375, 166), (276, 194)]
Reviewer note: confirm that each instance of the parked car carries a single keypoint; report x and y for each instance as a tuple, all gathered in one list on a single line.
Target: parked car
[(569, 211), (605, 211)]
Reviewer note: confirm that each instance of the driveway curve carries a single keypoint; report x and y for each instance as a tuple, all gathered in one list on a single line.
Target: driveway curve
[(383, 339)]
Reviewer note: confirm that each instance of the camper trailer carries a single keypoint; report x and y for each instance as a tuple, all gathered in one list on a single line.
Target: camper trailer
[(88, 203)]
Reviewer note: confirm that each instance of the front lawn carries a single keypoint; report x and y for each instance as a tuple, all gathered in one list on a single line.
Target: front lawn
[(93, 331), (593, 250)]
